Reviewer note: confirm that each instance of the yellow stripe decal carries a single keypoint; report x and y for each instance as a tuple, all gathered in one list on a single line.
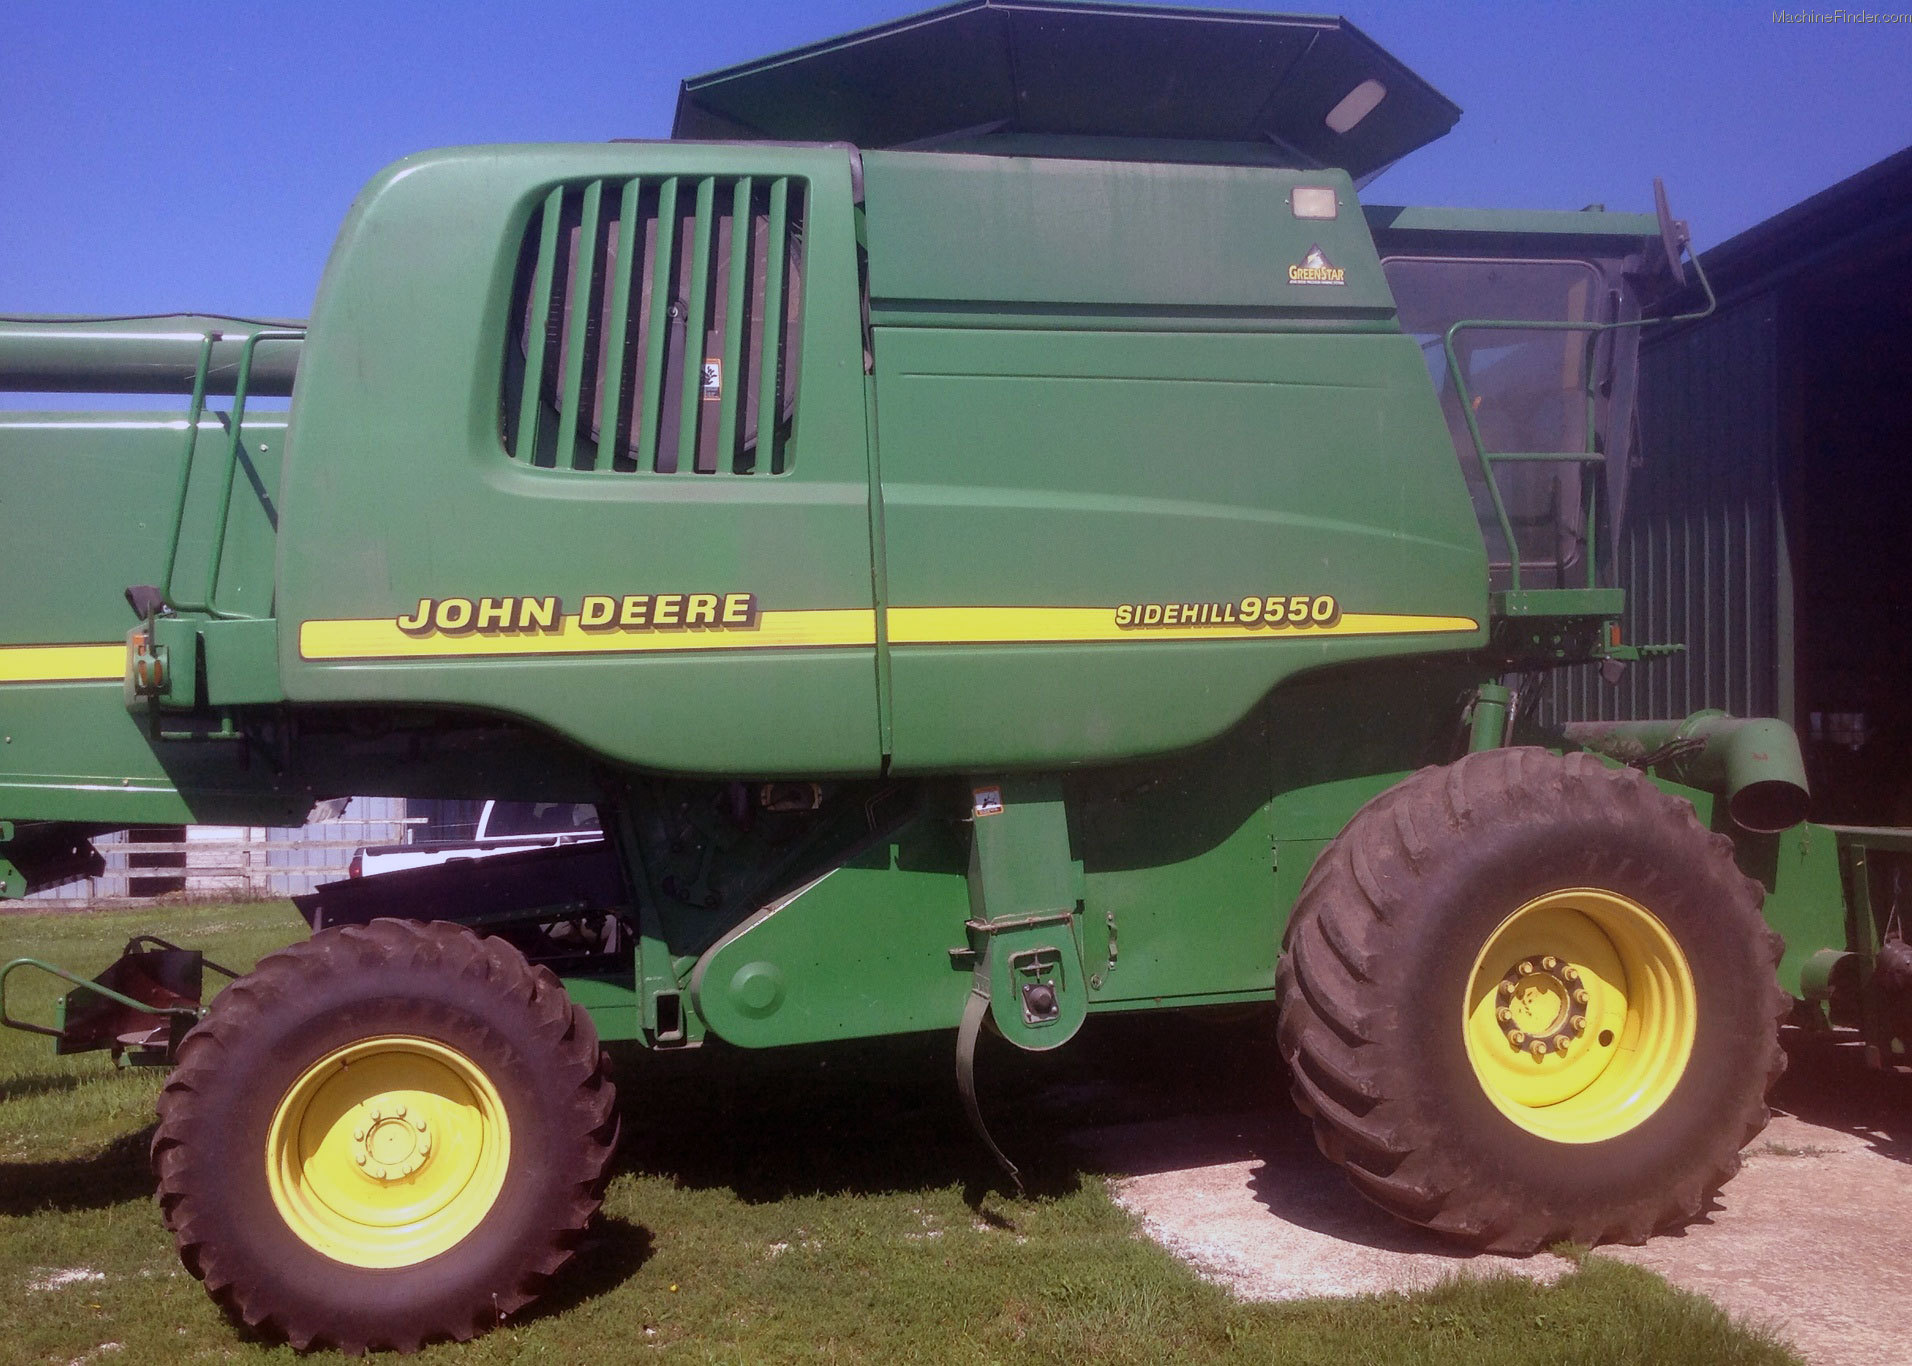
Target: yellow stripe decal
[(1018, 625), (380, 638), (63, 663)]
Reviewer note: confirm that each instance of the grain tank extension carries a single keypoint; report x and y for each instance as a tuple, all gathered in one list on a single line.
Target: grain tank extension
[(995, 549)]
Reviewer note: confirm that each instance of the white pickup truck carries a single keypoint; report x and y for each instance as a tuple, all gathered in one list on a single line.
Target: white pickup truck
[(503, 827)]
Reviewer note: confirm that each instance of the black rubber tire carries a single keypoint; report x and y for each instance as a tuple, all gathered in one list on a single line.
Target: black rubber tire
[(434, 981), (1375, 966)]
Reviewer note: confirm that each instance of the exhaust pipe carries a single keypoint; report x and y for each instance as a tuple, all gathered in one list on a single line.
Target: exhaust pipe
[(1755, 763)]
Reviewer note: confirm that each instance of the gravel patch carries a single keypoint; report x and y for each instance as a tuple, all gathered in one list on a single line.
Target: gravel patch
[(62, 1277)]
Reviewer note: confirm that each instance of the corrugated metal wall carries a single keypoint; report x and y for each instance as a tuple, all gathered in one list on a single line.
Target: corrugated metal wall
[(1700, 546)]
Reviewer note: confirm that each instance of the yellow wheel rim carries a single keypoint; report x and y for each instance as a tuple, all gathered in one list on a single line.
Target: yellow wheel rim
[(1579, 1015), (388, 1151)]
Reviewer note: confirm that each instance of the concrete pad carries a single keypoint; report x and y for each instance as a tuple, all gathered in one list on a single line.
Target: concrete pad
[(1249, 1203), (1813, 1237)]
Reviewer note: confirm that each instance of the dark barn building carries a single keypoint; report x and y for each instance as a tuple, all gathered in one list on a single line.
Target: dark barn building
[(1768, 525)]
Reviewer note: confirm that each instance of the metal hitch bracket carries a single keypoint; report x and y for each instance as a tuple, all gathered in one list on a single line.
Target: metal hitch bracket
[(140, 1007)]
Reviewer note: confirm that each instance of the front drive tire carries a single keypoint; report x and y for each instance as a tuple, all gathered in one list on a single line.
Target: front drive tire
[(1527, 998), (385, 1135)]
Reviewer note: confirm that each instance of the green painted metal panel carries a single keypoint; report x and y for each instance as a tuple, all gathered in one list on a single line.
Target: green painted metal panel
[(106, 482), (1019, 859), (91, 502), (71, 751), (1560, 602), (241, 661), (864, 951), (1805, 900), (1029, 469), (577, 332), (614, 1003), (658, 328), (1527, 224), (1110, 235), (398, 417), (1186, 865), (1799, 869), (698, 304), (1185, 868)]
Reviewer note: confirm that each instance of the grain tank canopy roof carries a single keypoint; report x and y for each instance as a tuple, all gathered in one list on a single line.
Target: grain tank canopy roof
[(1023, 77)]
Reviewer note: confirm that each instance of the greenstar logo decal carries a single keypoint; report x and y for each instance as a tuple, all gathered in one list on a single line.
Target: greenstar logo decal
[(1316, 269)]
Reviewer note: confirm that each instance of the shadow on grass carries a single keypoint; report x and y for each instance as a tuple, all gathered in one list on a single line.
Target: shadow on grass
[(613, 1250), (46, 1084), (883, 1115), (115, 1174)]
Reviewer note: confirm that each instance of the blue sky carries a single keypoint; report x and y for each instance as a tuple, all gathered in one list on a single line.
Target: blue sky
[(197, 155)]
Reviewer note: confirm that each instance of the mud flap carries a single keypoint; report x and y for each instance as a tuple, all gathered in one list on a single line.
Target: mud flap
[(1025, 898), (1030, 987), (974, 1013)]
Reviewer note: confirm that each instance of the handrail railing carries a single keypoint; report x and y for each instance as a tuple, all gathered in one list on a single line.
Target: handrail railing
[(1589, 458), (9, 1021), (235, 422)]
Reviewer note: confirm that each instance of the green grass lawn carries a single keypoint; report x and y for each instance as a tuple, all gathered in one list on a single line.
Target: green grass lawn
[(808, 1204)]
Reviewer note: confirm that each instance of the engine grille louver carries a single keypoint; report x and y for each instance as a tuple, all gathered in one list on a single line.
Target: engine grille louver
[(614, 279)]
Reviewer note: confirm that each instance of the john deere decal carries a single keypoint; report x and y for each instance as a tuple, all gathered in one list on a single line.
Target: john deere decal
[(1316, 269), (633, 623), (598, 612)]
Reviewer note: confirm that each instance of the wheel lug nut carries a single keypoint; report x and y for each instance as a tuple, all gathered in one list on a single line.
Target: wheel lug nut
[(1572, 974), (399, 1113), (1537, 1047), (361, 1159), (1550, 962), (1526, 968), (358, 1134), (1580, 996), (1517, 1038), (1506, 988), (1579, 1023), (1504, 1015)]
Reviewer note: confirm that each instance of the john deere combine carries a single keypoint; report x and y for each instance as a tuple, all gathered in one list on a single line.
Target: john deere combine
[(1002, 534)]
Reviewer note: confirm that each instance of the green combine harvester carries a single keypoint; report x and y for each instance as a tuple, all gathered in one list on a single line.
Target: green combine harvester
[(1002, 534)]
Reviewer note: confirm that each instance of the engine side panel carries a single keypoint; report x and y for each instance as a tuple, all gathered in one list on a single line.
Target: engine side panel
[(401, 488)]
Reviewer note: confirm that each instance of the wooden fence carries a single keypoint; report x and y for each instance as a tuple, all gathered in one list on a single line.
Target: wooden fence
[(213, 862)]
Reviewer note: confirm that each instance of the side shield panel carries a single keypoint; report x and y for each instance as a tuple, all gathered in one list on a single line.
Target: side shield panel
[(1081, 525), (459, 529), (90, 503), (1151, 442)]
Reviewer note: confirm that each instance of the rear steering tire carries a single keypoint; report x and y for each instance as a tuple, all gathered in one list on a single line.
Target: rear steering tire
[(1528, 999), (386, 1135)]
